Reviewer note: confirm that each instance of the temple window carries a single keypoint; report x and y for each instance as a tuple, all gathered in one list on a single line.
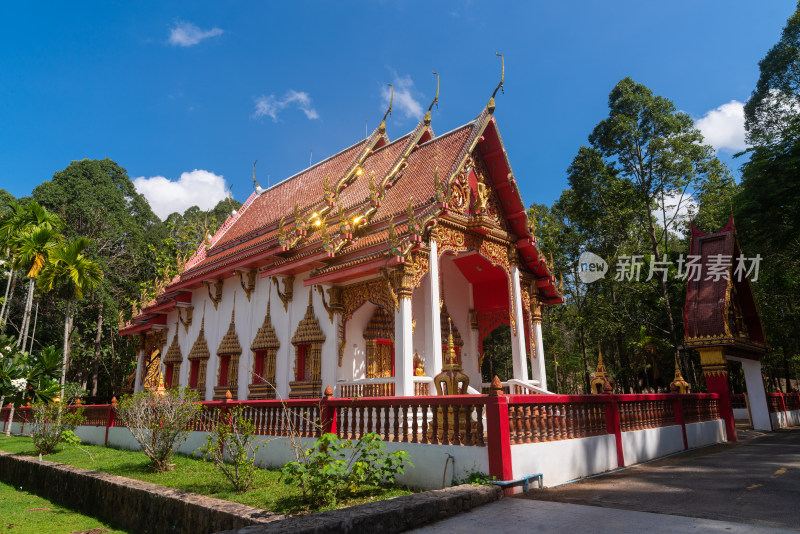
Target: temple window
[(307, 341), (265, 351), (228, 353), (172, 362), (198, 362)]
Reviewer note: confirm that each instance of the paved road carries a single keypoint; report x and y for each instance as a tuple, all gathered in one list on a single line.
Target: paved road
[(524, 515), (749, 486)]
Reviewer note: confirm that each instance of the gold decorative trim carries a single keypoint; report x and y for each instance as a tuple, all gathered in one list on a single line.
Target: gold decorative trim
[(188, 321)]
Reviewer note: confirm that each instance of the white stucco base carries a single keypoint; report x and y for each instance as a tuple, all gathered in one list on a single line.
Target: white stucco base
[(641, 445), (705, 433), (561, 461), (741, 413), (785, 419)]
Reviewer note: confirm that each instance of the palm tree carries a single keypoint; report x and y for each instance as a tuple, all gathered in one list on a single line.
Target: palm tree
[(16, 223), (69, 271), (33, 247)]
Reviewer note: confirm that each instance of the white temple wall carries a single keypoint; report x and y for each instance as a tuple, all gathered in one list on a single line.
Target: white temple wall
[(421, 332), (354, 362)]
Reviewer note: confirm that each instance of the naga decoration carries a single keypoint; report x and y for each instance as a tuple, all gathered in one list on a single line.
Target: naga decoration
[(283, 239), (250, 285), (427, 118), (325, 304), (329, 196), (216, 297), (187, 322), (374, 194), (414, 227), (288, 290)]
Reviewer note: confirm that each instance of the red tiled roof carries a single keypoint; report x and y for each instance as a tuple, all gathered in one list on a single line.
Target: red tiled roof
[(250, 237)]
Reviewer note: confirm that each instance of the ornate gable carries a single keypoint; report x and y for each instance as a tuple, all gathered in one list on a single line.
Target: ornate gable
[(229, 346), (174, 352), (308, 331), (200, 347), (265, 337)]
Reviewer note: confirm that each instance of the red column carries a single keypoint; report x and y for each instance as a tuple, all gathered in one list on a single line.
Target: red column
[(717, 382), (612, 427), (327, 413), (679, 419), (112, 409), (499, 438)]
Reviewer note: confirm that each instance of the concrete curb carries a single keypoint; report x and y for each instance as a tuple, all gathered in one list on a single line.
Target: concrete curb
[(152, 509), (389, 516), (131, 504)]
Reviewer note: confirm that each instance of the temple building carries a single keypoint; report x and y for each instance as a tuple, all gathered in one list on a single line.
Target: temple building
[(354, 273), (723, 324)]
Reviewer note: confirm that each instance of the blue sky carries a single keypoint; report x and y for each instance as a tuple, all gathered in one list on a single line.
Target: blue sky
[(194, 92)]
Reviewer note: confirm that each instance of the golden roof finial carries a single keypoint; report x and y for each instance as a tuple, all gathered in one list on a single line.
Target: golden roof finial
[(382, 127), (269, 298), (600, 358), (203, 318), (310, 294), (490, 105), (255, 182), (427, 119), (233, 310)]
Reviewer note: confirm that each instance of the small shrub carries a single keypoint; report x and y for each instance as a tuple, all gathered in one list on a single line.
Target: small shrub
[(477, 478), (159, 422), (334, 468), (232, 439), (51, 423)]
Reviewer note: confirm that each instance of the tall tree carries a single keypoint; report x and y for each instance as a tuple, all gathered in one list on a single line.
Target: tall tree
[(659, 151), (767, 207)]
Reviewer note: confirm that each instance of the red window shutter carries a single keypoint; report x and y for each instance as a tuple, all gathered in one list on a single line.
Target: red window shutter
[(193, 372), (223, 370)]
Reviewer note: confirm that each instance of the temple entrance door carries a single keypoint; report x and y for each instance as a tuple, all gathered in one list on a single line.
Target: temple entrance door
[(383, 362)]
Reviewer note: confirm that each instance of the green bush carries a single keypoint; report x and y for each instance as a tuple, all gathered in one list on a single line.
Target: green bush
[(51, 424), (335, 468), (158, 422), (232, 440)]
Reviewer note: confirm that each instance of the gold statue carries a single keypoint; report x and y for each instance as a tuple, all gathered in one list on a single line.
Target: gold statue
[(481, 197), (419, 366)]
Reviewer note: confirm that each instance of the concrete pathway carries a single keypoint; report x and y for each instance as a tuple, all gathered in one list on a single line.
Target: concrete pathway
[(752, 485), (524, 515)]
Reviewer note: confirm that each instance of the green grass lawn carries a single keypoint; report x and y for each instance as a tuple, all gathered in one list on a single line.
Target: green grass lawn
[(269, 492), (25, 513)]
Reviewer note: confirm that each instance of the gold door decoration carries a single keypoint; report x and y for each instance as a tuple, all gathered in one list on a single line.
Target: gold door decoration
[(267, 341), (200, 352), (379, 355), (152, 344), (174, 357), (310, 336), (229, 347)]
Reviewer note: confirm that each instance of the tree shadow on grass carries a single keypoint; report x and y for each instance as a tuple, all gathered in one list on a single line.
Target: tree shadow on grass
[(297, 505)]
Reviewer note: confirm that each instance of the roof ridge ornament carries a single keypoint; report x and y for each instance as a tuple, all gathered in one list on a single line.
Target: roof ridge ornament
[(490, 105), (382, 127), (427, 119), (256, 185)]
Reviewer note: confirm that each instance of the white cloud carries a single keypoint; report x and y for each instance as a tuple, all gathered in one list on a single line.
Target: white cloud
[(199, 188), (404, 101), (270, 105), (678, 209), (723, 127), (187, 34)]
